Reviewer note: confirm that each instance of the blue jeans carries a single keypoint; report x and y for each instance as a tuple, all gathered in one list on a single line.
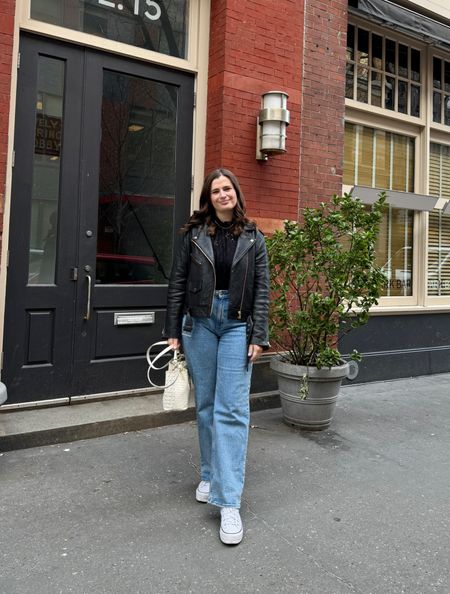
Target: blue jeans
[(216, 354)]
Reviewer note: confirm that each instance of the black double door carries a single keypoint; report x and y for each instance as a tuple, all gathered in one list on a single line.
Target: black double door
[(101, 183)]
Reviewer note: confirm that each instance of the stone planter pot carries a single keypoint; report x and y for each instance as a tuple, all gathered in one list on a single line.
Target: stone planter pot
[(321, 389)]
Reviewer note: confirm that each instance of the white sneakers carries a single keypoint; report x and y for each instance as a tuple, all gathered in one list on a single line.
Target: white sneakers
[(202, 491), (231, 530)]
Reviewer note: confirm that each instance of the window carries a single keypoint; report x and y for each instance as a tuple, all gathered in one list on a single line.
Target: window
[(397, 138), (395, 251), (439, 224), (381, 159), (378, 158), (383, 72), (441, 91), (150, 24)]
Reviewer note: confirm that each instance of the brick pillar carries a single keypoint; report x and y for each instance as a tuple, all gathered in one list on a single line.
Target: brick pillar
[(7, 8), (255, 47), (323, 101)]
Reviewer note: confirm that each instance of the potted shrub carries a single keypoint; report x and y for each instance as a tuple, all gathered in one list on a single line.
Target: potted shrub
[(324, 281)]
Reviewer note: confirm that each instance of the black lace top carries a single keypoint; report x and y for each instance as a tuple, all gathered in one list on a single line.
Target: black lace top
[(224, 246)]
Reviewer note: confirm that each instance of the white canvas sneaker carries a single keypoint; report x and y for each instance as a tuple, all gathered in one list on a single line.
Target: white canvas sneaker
[(202, 491), (231, 530)]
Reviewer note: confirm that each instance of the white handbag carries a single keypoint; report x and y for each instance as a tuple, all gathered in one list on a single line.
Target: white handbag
[(176, 385)]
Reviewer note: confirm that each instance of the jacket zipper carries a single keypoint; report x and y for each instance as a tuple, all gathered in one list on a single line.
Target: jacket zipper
[(243, 290), (214, 270)]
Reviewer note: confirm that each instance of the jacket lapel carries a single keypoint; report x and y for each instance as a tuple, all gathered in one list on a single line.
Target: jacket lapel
[(203, 240), (245, 241)]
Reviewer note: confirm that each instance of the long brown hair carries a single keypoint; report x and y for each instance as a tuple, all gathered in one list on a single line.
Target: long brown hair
[(205, 215)]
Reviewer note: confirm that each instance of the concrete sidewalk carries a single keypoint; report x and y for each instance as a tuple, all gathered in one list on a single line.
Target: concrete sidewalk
[(363, 507), (26, 428)]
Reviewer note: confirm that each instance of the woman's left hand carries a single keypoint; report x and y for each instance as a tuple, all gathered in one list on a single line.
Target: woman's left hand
[(254, 351)]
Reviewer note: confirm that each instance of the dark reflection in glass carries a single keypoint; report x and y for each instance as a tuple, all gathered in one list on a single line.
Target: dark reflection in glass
[(402, 96), (351, 42), (390, 56), (402, 60), (363, 46), (447, 77), (377, 50), (375, 97), (362, 84), (415, 65), (349, 78), (376, 75), (415, 101), (46, 171), (137, 180), (158, 25), (437, 73), (389, 93), (436, 107), (447, 110)]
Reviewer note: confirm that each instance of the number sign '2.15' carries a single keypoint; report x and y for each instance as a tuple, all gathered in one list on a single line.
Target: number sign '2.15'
[(153, 14), (160, 26)]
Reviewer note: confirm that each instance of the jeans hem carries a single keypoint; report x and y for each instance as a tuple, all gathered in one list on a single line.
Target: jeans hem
[(220, 504)]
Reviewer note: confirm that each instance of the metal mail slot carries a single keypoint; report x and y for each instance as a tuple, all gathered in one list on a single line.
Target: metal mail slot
[(128, 318)]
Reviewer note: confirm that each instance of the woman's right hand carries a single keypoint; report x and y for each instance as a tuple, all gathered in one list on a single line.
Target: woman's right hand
[(174, 343)]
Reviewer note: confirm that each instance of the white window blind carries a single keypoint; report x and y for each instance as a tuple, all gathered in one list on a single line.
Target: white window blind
[(377, 158), (439, 223)]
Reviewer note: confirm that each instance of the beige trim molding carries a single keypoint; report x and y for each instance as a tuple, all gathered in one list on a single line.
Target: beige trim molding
[(115, 47)]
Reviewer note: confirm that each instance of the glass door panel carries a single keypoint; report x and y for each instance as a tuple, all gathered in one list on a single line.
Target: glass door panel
[(46, 170), (136, 180)]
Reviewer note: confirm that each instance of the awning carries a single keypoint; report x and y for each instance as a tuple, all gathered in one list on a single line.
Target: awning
[(403, 20), (408, 200)]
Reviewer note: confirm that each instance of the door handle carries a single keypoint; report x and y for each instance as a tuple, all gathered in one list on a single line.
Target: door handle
[(87, 315)]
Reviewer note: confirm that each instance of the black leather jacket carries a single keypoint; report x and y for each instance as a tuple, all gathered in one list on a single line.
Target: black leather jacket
[(193, 278)]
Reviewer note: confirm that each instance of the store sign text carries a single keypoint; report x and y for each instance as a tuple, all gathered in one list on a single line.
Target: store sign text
[(48, 135), (397, 284), (153, 14)]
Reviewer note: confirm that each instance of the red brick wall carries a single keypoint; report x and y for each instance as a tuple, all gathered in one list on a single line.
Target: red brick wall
[(323, 100), (255, 47), (262, 45), (7, 8)]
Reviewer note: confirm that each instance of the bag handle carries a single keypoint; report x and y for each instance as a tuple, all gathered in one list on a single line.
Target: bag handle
[(151, 362), (161, 354)]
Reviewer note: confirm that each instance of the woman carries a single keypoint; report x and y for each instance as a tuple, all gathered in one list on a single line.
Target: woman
[(218, 302)]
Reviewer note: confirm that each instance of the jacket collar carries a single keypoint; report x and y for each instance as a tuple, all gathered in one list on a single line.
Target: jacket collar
[(245, 241)]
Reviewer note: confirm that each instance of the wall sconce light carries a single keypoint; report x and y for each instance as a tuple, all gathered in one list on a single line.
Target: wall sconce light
[(271, 125)]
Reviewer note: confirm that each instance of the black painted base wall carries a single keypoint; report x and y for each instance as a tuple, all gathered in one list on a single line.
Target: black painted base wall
[(399, 346), (263, 378)]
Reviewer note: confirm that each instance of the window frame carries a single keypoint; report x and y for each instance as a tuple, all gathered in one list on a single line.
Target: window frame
[(435, 127), (413, 131), (194, 30), (401, 39), (425, 131)]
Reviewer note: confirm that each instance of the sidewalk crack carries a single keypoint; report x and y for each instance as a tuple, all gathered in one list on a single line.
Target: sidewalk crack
[(301, 550)]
